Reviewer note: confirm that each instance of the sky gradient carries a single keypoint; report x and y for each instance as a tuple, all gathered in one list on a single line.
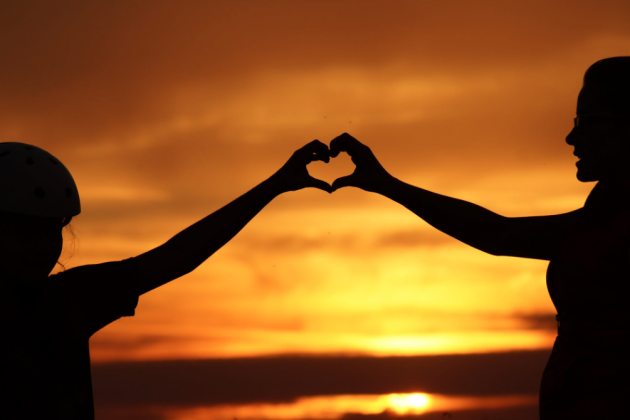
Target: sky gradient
[(164, 112)]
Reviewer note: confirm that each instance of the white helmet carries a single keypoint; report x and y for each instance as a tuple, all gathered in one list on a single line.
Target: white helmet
[(34, 182)]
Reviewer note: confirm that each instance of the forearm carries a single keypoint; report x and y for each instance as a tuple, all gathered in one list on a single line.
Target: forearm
[(467, 222), (526, 237), (195, 244), (192, 246)]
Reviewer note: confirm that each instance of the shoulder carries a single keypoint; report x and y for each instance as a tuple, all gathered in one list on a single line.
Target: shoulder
[(101, 293), (114, 274)]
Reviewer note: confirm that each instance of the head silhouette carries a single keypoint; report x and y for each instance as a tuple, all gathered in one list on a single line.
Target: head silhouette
[(601, 135), (38, 197)]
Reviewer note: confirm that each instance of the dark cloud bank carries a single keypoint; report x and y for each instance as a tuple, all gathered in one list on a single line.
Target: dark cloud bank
[(134, 387)]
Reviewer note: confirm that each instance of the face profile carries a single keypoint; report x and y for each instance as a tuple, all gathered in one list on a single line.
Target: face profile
[(601, 143), (30, 246), (601, 132)]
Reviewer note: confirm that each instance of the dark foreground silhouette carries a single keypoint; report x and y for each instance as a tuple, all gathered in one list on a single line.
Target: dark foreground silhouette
[(588, 373), (46, 322)]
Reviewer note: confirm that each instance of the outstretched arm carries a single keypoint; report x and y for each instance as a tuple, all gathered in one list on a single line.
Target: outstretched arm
[(527, 237), (192, 246)]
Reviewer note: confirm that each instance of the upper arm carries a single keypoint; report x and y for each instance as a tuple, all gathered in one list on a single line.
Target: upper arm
[(533, 237), (100, 293), (157, 267)]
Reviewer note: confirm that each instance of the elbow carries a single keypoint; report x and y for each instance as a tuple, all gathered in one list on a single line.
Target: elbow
[(491, 249), (495, 247)]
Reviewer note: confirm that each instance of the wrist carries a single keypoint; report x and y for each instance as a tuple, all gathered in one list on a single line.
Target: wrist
[(275, 185), (386, 185)]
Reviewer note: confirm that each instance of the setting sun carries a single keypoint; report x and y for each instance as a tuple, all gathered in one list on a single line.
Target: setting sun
[(408, 403)]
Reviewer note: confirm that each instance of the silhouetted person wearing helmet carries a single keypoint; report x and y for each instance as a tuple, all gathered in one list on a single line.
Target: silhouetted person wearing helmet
[(588, 374), (46, 321)]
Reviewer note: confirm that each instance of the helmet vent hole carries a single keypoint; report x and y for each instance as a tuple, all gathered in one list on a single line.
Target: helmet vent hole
[(6, 152), (69, 192), (28, 147), (39, 192), (53, 161), (29, 161)]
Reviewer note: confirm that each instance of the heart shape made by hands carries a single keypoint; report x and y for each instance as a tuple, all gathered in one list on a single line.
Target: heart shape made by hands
[(340, 166)]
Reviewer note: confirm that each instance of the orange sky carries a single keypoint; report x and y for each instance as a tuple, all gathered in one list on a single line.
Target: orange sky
[(164, 113)]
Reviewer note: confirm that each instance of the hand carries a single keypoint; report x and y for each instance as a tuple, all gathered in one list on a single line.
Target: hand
[(294, 176), (369, 175)]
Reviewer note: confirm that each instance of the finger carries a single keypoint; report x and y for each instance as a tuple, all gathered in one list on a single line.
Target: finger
[(315, 150), (319, 184), (344, 181), (344, 143)]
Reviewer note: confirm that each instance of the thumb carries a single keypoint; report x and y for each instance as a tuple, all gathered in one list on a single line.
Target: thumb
[(345, 181)]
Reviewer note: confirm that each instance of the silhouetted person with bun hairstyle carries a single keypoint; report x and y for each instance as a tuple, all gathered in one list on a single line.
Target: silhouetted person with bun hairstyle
[(46, 321), (588, 374)]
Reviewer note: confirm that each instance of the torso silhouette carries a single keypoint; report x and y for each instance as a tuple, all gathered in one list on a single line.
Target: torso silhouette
[(45, 329), (589, 283)]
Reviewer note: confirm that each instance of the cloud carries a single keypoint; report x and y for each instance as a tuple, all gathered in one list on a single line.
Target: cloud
[(539, 321), (92, 71), (202, 98), (132, 413), (283, 379), (126, 344), (346, 243), (413, 238)]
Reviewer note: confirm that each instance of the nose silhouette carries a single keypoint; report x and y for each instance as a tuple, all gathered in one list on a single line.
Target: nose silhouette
[(573, 137)]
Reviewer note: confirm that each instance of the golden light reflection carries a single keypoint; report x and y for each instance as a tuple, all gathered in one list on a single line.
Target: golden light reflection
[(409, 403), (336, 406)]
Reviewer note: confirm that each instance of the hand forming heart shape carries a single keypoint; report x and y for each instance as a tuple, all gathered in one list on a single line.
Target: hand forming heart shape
[(328, 172), (368, 174)]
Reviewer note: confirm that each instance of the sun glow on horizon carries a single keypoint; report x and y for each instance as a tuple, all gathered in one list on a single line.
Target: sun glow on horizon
[(334, 407), (415, 403)]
